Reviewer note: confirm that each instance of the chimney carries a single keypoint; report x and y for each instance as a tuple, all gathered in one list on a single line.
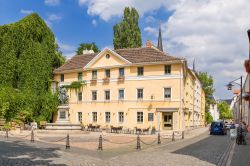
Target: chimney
[(148, 43)]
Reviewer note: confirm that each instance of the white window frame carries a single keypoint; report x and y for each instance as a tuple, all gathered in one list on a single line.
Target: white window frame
[(164, 93), (109, 117), (123, 94), (142, 116), (142, 94), (77, 117), (92, 95), (105, 95), (78, 96), (119, 117), (92, 119)]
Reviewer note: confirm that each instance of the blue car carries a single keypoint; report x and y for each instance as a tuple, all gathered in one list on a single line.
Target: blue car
[(218, 128)]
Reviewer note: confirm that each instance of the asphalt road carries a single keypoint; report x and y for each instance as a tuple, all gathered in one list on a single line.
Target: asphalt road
[(201, 150)]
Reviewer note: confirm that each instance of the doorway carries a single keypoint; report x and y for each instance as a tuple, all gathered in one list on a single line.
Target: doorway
[(167, 121)]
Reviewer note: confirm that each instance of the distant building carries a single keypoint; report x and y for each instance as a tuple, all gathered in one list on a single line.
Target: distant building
[(214, 111)]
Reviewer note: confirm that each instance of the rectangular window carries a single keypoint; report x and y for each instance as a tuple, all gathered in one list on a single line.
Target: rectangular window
[(107, 117), (62, 77), (94, 95), (150, 117), (107, 73), (107, 95), (94, 116), (139, 117), (79, 115), (94, 74), (62, 115), (79, 96), (139, 93), (121, 117), (140, 71), (167, 69), (167, 93), (121, 72), (121, 94), (80, 76)]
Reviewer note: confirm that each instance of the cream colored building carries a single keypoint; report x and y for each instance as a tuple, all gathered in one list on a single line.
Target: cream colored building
[(137, 87)]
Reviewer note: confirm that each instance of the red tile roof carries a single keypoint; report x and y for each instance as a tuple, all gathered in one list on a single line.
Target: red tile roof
[(134, 55)]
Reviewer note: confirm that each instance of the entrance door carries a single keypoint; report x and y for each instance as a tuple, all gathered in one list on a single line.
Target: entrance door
[(167, 121)]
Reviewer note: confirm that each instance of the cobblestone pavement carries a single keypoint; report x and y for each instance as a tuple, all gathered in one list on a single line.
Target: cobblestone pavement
[(201, 150)]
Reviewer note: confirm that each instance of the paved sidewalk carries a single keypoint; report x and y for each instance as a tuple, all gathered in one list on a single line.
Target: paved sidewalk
[(241, 154), (22, 152)]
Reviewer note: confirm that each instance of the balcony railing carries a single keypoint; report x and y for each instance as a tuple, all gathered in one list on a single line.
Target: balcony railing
[(93, 81), (121, 79), (106, 80)]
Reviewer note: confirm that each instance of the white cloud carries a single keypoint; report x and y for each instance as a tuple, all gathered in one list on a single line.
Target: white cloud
[(52, 2), (94, 22), (23, 11), (214, 33), (150, 19), (54, 17), (106, 9), (211, 31), (151, 31)]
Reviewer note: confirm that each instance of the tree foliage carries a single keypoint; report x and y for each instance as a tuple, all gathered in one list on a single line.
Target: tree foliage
[(28, 55), (224, 110), (87, 46), (127, 33), (208, 87), (208, 117)]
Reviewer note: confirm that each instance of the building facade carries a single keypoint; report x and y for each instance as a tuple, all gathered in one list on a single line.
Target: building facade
[(136, 87)]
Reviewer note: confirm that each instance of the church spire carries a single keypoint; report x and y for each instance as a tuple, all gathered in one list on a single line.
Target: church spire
[(159, 46)]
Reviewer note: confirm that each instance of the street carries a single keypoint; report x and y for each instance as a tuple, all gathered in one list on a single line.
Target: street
[(200, 150)]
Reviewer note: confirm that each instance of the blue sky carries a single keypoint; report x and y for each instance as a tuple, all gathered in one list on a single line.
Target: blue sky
[(213, 32), (71, 23)]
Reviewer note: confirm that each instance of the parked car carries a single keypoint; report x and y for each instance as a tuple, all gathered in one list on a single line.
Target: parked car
[(218, 128), (228, 126)]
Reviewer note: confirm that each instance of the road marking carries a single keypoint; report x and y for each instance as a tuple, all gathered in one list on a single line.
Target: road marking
[(230, 155)]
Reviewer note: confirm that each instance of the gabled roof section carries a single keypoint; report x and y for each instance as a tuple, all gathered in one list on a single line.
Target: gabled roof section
[(76, 62), (129, 56), (106, 50), (145, 54)]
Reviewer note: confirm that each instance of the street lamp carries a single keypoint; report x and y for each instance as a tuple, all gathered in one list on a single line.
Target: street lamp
[(229, 87)]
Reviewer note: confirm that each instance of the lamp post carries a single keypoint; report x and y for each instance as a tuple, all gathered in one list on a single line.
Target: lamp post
[(229, 87)]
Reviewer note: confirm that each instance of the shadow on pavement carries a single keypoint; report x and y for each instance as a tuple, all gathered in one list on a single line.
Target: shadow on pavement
[(209, 149), (20, 153)]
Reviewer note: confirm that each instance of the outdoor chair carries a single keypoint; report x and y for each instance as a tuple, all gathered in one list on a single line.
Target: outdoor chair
[(42, 124), (145, 130), (138, 130)]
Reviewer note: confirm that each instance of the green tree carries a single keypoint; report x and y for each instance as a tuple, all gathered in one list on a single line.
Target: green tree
[(28, 55), (127, 33), (87, 46), (224, 110), (208, 117), (208, 87)]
